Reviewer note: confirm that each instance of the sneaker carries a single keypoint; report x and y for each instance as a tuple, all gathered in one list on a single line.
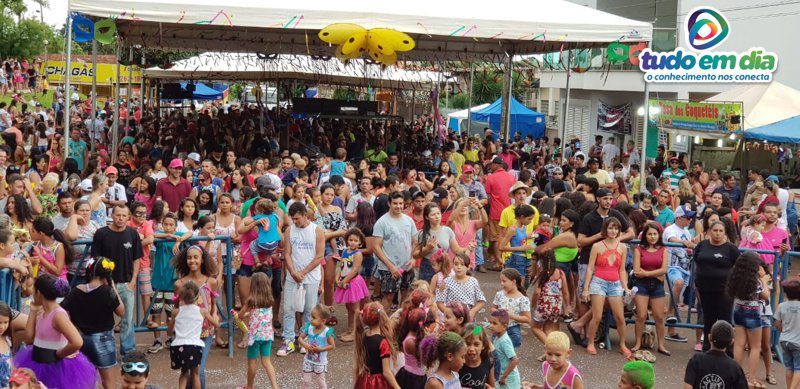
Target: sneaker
[(168, 343), (676, 338), (303, 350), (156, 347), (286, 349), (481, 269), (698, 347), (672, 320)]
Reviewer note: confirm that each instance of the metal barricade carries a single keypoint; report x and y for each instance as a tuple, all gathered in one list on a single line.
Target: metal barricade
[(9, 289), (141, 319), (779, 273)]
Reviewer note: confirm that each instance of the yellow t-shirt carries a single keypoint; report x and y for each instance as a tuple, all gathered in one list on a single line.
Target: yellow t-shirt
[(507, 219), (457, 160), (602, 176), (471, 155), (635, 182)]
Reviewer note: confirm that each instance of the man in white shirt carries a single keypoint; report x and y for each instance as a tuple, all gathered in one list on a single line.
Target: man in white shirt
[(679, 261), (364, 194), (115, 196), (610, 153)]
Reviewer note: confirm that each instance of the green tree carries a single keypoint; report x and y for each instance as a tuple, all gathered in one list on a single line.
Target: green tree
[(26, 38)]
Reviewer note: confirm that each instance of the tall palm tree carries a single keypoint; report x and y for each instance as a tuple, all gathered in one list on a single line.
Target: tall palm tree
[(42, 5)]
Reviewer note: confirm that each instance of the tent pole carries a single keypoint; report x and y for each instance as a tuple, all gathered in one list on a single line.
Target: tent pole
[(646, 123), (129, 104), (115, 129), (566, 101), (413, 106), (141, 89), (505, 104), (469, 98), (67, 100), (93, 118)]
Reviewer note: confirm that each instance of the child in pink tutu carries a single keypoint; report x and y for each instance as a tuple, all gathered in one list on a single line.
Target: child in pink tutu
[(350, 286), (54, 355)]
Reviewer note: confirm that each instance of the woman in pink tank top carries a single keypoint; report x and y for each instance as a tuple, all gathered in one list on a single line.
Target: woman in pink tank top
[(606, 279), (650, 264)]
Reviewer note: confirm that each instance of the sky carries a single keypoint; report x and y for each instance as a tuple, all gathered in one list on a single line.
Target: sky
[(55, 15)]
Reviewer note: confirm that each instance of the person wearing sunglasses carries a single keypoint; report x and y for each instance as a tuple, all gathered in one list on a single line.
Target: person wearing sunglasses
[(135, 371)]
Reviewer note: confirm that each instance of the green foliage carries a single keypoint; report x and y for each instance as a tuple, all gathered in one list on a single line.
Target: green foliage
[(344, 94), (26, 38), (235, 90), (459, 101), (488, 86)]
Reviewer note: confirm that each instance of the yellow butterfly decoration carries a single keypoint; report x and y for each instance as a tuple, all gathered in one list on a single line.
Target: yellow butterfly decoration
[(380, 44)]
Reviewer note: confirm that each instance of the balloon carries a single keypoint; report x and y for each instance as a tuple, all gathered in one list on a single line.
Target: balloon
[(82, 29), (386, 41), (380, 44), (104, 31)]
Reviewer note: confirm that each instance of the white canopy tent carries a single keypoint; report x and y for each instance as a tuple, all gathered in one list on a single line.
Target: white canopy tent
[(249, 67), (443, 30), (763, 104)]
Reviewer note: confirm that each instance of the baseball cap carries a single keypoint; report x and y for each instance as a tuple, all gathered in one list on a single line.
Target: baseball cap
[(176, 164), (558, 170), (86, 185), (112, 170), (594, 160), (467, 169), (497, 160), (773, 178), (682, 211), (626, 155), (602, 192), (194, 157), (439, 194), (418, 193), (674, 159)]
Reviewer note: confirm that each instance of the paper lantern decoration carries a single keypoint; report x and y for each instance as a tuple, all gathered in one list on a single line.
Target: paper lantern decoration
[(82, 29), (380, 44), (104, 31)]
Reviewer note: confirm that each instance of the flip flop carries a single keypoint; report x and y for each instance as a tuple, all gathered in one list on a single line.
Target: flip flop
[(576, 336), (771, 379), (648, 356), (591, 350), (664, 352), (624, 351)]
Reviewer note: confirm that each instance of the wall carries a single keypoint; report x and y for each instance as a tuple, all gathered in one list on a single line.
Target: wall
[(714, 157)]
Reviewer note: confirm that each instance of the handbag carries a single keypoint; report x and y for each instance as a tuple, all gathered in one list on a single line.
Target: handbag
[(299, 299)]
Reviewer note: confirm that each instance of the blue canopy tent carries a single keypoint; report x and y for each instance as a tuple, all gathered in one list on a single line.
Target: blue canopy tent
[(203, 92), (523, 119), (784, 131)]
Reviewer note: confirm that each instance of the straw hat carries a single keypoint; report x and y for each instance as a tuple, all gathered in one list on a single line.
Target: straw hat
[(519, 185)]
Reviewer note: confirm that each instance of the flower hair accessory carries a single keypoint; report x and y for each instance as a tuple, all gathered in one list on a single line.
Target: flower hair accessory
[(107, 264)]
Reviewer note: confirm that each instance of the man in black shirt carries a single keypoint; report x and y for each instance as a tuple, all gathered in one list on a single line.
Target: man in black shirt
[(122, 245), (714, 369), (589, 234)]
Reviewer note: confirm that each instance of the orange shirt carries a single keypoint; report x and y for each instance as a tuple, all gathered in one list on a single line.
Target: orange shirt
[(145, 230)]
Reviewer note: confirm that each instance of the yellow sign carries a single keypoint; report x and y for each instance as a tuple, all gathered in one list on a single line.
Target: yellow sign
[(81, 73)]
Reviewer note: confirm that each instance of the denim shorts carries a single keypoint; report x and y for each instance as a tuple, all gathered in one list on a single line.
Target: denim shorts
[(520, 263), (245, 270), (766, 321), (277, 283), (675, 273), (568, 267), (747, 317), (367, 267), (515, 333), (791, 356), (100, 349), (601, 287), (582, 269), (651, 287)]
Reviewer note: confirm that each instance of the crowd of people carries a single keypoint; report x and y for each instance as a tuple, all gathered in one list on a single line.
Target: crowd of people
[(388, 223)]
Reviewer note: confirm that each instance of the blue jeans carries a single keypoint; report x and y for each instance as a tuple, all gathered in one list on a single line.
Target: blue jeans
[(479, 249), (127, 337), (289, 289)]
